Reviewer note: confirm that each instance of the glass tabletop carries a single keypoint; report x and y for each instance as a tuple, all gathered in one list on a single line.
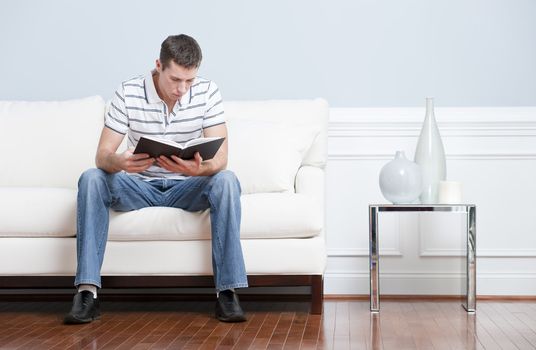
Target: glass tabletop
[(423, 207)]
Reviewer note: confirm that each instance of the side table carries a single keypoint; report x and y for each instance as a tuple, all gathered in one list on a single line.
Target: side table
[(469, 210)]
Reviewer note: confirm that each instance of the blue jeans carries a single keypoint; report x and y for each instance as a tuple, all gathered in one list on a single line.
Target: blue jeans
[(98, 191)]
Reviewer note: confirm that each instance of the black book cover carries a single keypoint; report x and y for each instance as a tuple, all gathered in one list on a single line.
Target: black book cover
[(154, 147)]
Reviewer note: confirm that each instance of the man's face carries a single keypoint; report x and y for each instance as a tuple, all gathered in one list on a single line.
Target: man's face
[(174, 81)]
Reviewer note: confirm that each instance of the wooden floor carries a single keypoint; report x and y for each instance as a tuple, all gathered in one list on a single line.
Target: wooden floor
[(415, 324)]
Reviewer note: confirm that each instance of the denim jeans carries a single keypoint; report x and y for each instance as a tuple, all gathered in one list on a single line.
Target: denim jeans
[(98, 191)]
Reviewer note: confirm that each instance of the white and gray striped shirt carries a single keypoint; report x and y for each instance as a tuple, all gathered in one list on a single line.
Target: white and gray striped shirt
[(137, 110)]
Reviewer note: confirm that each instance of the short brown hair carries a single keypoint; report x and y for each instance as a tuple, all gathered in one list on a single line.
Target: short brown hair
[(181, 49)]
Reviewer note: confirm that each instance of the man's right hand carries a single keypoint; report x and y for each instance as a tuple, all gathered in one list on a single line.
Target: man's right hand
[(108, 160), (134, 163)]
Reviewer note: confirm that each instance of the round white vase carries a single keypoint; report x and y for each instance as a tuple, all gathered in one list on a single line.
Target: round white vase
[(430, 155), (400, 180)]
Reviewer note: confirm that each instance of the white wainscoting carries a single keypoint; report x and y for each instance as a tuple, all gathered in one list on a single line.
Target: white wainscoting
[(492, 151)]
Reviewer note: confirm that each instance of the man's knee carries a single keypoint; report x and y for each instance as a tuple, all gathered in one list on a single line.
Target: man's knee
[(227, 180), (91, 178)]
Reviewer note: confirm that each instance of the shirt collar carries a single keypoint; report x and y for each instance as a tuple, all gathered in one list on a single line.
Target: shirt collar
[(150, 90)]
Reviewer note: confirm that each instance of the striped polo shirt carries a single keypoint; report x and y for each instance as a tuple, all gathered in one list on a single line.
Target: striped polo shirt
[(137, 110)]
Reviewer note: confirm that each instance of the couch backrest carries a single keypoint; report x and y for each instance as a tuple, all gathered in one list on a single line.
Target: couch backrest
[(270, 140), (303, 116), (52, 143), (48, 143)]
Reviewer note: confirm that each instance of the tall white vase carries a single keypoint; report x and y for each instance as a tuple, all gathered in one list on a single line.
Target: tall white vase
[(430, 155)]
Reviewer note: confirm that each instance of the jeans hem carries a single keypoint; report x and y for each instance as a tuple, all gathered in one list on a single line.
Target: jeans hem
[(81, 281), (233, 285)]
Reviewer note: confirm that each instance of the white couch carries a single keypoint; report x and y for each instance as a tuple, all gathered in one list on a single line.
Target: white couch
[(276, 148)]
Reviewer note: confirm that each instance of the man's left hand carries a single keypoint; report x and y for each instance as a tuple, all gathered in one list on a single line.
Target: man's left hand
[(192, 167)]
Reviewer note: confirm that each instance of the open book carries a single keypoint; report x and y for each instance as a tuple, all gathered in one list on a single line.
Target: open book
[(155, 147)]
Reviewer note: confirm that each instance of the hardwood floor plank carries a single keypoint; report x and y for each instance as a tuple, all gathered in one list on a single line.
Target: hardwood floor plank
[(360, 320), (295, 333), (341, 336), (526, 317), (426, 315), (139, 320), (416, 327), (189, 332), (265, 333), (169, 320), (202, 334), (403, 334), (247, 334), (483, 336), (489, 335), (112, 326), (37, 332), (311, 331), (345, 324), (73, 335), (18, 321), (462, 323), (388, 319), (511, 333), (138, 337), (228, 335), (505, 309), (455, 340), (172, 331), (281, 331), (217, 335), (327, 329)]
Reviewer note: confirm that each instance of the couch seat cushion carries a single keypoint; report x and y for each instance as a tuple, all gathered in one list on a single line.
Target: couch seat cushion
[(51, 212), (264, 215)]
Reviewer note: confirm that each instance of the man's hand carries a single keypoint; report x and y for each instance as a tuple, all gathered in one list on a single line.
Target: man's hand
[(134, 163), (192, 167)]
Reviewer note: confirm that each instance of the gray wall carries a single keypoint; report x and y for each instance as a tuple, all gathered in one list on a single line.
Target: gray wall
[(354, 53)]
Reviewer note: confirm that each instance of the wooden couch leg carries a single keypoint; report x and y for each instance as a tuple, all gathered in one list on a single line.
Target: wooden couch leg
[(317, 294)]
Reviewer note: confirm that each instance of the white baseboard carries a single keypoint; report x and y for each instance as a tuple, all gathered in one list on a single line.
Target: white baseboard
[(510, 284)]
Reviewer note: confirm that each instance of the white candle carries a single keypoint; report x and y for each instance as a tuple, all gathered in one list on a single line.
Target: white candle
[(450, 192)]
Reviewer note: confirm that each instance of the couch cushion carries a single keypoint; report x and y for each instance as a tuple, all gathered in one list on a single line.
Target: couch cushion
[(51, 143), (264, 215), (314, 113), (51, 212), (37, 212), (281, 215), (57, 256), (265, 156)]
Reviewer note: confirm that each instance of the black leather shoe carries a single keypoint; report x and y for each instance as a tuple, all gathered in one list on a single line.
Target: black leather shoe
[(85, 309), (228, 307)]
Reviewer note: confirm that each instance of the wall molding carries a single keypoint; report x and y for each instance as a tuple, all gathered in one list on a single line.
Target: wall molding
[(426, 240), (440, 253), (452, 122), (465, 156), (434, 274), (359, 252), (513, 124), (460, 122), (505, 253)]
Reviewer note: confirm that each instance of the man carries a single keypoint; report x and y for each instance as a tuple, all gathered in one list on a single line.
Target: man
[(170, 102)]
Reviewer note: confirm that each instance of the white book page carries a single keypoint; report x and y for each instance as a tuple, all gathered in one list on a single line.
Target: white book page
[(167, 142), (200, 141)]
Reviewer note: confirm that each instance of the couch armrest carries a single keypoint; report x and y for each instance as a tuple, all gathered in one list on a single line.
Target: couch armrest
[(310, 181)]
